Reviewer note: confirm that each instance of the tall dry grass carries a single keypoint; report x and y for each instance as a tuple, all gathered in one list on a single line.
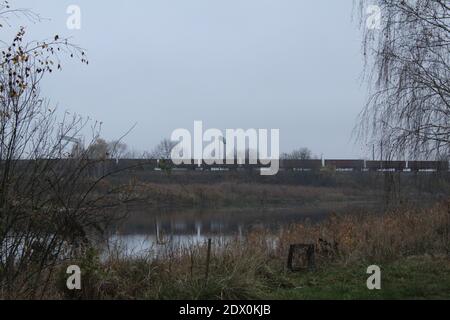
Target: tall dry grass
[(398, 233), (238, 194), (244, 268)]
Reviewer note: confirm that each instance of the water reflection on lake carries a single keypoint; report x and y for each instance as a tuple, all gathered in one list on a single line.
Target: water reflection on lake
[(144, 245), (156, 231)]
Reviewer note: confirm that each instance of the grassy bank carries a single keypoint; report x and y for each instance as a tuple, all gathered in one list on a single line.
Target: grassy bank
[(227, 194), (410, 246), (415, 277), (209, 189)]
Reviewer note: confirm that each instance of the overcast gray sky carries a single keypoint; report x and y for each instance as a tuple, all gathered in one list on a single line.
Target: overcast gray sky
[(294, 65)]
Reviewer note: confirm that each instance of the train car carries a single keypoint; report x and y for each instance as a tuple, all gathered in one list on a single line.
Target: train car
[(301, 164), (134, 164), (194, 165), (190, 165), (386, 165), (355, 165), (428, 165)]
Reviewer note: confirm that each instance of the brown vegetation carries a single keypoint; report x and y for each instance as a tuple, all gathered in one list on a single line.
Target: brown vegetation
[(233, 194), (254, 266)]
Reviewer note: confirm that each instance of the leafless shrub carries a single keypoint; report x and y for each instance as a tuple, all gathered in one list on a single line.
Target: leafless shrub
[(163, 150), (49, 201)]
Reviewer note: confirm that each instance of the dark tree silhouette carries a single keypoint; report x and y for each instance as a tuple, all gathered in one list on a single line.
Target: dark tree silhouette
[(408, 69)]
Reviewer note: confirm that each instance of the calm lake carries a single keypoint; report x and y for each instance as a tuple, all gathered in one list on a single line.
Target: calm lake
[(158, 230)]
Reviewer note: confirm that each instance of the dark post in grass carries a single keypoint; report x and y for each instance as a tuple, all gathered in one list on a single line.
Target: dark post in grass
[(304, 254), (208, 258)]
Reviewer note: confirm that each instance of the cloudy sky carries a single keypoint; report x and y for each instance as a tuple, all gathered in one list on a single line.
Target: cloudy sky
[(294, 65)]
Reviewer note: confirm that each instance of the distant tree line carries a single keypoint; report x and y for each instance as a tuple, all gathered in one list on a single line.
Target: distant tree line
[(101, 149)]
